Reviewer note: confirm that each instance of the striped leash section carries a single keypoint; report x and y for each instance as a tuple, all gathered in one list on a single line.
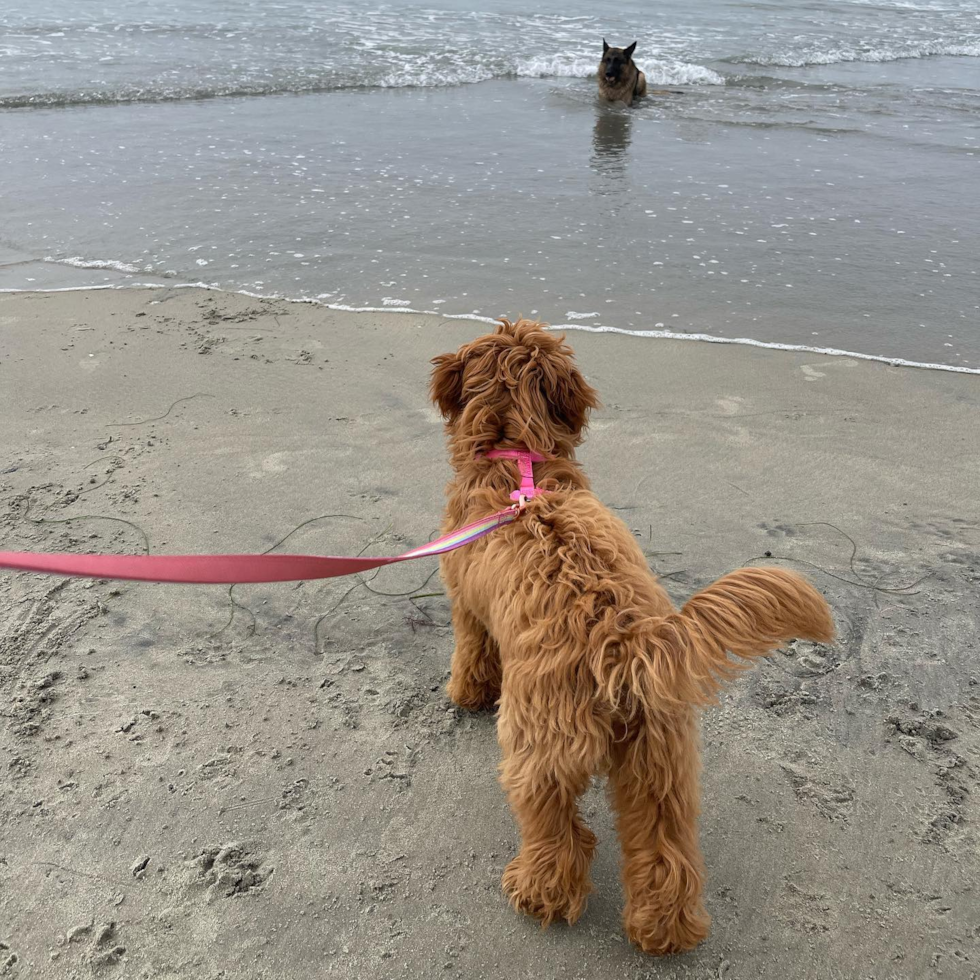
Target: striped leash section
[(235, 569)]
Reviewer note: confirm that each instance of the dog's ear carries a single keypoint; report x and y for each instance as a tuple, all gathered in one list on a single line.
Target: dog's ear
[(446, 389), (629, 51), (570, 397), (605, 47)]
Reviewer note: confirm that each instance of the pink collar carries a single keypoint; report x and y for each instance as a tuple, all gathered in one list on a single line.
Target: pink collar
[(525, 460)]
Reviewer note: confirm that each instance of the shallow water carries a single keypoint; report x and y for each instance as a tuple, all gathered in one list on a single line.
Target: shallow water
[(813, 185)]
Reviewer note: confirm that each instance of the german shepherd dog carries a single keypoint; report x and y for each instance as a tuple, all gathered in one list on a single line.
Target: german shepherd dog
[(619, 78)]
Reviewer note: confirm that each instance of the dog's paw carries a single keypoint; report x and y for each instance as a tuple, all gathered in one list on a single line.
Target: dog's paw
[(472, 697), (547, 893), (659, 932)]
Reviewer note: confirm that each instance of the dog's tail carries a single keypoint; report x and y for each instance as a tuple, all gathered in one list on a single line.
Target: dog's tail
[(684, 657)]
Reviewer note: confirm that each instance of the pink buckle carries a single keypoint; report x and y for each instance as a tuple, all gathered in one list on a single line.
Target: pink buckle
[(525, 463)]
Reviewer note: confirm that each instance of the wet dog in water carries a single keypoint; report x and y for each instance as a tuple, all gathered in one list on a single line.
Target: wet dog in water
[(619, 78)]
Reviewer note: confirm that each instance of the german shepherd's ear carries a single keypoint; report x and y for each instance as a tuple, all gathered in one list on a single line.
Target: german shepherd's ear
[(446, 389), (605, 47), (629, 51)]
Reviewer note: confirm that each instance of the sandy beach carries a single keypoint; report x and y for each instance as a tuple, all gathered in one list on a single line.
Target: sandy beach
[(272, 782)]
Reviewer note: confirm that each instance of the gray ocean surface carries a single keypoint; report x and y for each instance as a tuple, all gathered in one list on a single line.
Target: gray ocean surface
[(816, 183)]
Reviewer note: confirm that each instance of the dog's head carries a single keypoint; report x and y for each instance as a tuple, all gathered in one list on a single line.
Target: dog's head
[(615, 63), (516, 386)]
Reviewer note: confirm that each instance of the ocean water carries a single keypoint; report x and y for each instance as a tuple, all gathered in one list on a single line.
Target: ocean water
[(814, 184)]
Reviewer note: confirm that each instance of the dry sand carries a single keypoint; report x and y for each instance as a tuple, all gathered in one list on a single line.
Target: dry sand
[(275, 785)]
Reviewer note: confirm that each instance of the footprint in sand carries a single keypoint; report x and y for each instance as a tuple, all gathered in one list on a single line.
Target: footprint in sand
[(730, 405), (810, 373), (271, 465)]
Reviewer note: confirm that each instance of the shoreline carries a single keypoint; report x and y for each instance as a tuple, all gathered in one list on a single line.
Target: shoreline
[(477, 318), (772, 231)]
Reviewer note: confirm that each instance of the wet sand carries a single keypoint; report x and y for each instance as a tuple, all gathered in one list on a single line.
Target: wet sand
[(273, 783)]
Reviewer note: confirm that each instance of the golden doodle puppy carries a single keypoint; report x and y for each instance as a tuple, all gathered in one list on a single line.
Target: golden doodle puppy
[(559, 621)]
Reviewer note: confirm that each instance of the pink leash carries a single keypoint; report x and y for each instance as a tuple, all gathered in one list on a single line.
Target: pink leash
[(232, 569)]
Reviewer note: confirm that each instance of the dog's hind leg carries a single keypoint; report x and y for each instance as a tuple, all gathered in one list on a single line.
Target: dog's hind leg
[(475, 667), (544, 774), (654, 789)]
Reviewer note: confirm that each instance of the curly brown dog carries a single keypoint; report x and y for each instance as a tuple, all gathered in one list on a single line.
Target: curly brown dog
[(558, 619)]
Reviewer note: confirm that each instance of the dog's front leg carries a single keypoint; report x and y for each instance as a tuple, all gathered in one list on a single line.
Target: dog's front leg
[(475, 681)]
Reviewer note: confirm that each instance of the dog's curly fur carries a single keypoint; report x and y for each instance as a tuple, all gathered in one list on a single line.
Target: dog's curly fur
[(558, 619)]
